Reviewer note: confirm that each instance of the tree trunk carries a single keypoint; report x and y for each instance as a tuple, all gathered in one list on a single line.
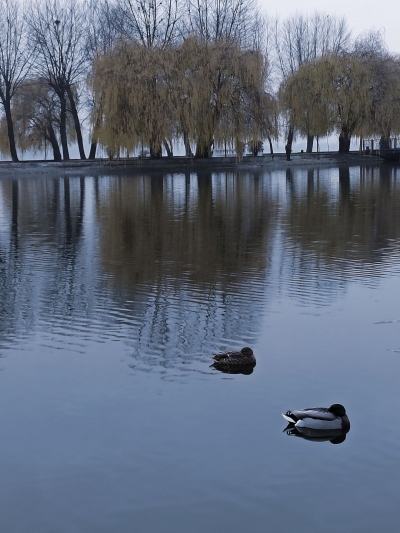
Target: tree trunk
[(290, 138), (93, 144), (384, 143), (188, 149), (155, 150), (255, 147), (93, 148), (77, 124), (63, 126), (54, 143), (10, 128), (310, 142), (168, 147), (271, 148), (344, 141), (204, 149)]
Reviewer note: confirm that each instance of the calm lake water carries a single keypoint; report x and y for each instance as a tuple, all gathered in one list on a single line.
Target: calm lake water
[(114, 293)]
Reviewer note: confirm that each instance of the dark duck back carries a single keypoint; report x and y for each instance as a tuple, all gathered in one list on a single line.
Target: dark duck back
[(234, 359)]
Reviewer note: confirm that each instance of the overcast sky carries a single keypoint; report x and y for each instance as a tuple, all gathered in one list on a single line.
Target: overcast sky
[(361, 15)]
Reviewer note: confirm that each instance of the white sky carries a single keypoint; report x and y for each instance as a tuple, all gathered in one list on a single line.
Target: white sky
[(360, 15)]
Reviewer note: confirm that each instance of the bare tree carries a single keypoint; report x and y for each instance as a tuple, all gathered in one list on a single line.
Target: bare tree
[(58, 29), (213, 20), (300, 39), (14, 61), (102, 27), (152, 23)]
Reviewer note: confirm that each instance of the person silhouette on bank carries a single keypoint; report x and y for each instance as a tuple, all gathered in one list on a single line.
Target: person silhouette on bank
[(288, 151)]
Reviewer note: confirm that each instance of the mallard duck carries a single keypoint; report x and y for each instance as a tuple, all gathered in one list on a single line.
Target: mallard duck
[(231, 360), (320, 418)]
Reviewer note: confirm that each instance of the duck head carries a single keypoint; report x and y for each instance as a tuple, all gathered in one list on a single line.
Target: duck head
[(247, 351), (337, 409)]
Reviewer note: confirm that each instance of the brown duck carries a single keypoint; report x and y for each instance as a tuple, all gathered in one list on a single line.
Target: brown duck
[(231, 360)]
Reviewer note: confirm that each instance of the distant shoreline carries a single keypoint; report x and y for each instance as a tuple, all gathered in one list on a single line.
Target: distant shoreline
[(178, 164)]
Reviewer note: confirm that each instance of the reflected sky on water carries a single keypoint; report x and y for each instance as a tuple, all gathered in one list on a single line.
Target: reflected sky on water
[(115, 291)]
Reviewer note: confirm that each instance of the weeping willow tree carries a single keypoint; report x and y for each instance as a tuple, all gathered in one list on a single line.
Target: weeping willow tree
[(244, 103), (132, 105), (205, 92), (331, 93), (36, 115), (345, 82), (356, 93), (220, 95), (201, 82), (384, 118), (302, 95), (301, 39)]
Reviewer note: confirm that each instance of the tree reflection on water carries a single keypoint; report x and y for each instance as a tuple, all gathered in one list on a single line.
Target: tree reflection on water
[(180, 265)]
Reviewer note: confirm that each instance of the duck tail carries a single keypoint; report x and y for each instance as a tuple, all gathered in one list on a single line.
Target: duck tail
[(220, 357), (290, 417)]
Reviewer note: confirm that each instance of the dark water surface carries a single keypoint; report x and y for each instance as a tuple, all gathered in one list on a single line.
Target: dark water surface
[(114, 293)]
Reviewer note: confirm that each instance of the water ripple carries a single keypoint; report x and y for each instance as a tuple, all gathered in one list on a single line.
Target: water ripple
[(173, 270)]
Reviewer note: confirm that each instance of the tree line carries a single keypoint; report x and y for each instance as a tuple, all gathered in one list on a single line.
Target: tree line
[(146, 74)]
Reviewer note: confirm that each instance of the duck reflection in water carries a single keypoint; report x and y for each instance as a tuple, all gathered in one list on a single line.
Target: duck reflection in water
[(334, 436), (241, 362), (319, 423)]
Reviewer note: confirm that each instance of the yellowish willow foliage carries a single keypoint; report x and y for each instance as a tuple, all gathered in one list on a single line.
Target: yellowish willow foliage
[(306, 97), (219, 94), (35, 112), (27, 123), (330, 93), (206, 92), (196, 87), (346, 81), (22, 109), (384, 119), (132, 105)]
